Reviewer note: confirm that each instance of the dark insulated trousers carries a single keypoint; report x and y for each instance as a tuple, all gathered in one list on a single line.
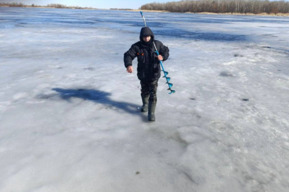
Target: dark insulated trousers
[(149, 89)]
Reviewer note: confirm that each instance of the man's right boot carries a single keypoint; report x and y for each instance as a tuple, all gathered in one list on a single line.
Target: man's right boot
[(145, 103)]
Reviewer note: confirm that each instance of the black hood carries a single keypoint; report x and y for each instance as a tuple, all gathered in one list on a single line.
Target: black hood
[(146, 31)]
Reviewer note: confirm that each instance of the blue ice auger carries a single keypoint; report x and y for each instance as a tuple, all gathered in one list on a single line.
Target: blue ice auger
[(163, 69)]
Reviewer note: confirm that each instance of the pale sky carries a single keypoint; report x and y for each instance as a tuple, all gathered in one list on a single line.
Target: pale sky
[(106, 4)]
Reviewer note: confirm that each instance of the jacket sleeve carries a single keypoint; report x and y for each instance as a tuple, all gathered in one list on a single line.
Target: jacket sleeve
[(164, 51), (129, 56)]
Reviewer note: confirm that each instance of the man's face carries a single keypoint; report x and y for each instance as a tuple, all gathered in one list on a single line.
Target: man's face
[(146, 38)]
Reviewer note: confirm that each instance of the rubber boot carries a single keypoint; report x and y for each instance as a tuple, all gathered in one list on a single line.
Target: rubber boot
[(145, 102), (151, 113)]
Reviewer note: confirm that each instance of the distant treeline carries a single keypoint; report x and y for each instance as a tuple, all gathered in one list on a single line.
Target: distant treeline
[(33, 5), (51, 6), (222, 6)]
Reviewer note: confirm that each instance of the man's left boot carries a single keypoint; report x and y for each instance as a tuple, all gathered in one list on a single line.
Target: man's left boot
[(145, 103)]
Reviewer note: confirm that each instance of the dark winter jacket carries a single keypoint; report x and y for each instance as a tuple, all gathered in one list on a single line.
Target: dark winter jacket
[(148, 68)]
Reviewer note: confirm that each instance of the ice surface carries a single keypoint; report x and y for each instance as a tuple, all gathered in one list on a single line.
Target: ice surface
[(69, 117)]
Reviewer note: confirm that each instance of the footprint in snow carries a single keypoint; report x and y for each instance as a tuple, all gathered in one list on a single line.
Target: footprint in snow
[(226, 74)]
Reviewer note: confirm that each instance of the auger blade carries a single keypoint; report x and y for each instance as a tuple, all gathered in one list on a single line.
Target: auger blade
[(170, 85), (168, 79), (172, 91), (166, 73)]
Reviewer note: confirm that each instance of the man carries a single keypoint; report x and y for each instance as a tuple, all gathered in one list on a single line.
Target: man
[(148, 69)]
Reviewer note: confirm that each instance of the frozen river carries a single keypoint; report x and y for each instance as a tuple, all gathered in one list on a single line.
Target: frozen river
[(69, 117)]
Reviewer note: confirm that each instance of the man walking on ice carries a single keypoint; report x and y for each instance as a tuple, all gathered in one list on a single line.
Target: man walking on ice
[(148, 69)]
